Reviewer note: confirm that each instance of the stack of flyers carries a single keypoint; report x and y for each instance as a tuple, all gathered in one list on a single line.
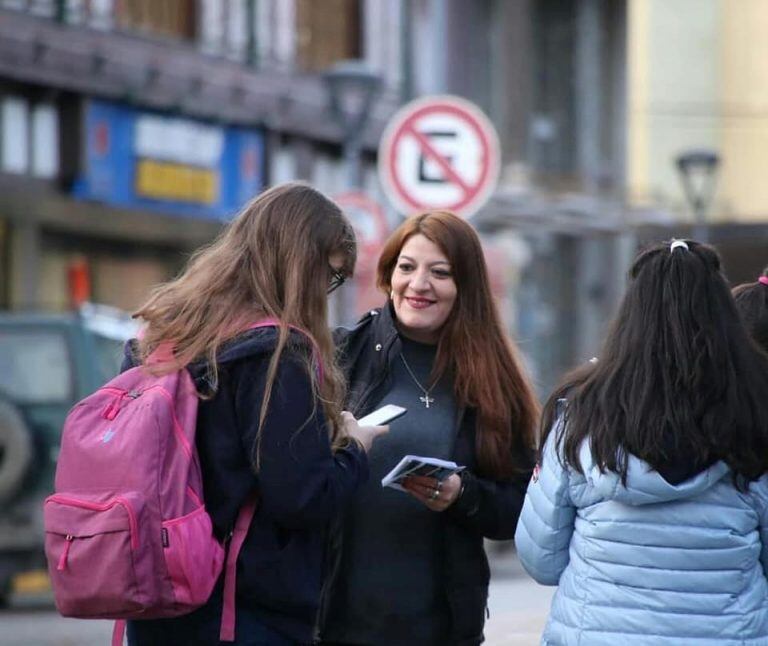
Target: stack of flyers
[(414, 465)]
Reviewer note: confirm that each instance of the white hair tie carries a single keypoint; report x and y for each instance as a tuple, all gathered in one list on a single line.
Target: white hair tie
[(678, 243)]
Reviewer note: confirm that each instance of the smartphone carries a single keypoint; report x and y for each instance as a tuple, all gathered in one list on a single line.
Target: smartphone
[(383, 415)]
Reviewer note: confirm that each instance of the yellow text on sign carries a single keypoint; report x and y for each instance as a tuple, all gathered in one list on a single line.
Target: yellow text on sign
[(176, 182)]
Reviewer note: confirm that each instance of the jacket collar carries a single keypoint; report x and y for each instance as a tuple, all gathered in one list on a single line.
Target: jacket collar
[(384, 339)]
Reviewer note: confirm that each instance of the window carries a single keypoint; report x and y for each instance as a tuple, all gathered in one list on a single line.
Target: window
[(29, 137), (170, 18), (577, 131), (14, 135), (327, 32), (108, 356), (553, 126), (17, 5), (45, 141), (225, 29), (44, 8), (174, 18), (35, 367)]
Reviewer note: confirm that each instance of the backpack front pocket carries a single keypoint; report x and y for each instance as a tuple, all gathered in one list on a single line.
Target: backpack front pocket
[(92, 549)]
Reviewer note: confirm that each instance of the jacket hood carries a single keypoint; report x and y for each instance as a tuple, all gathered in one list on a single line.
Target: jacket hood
[(251, 343), (646, 486)]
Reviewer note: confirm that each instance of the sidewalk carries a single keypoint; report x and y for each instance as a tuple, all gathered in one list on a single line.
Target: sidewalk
[(518, 605), (518, 608)]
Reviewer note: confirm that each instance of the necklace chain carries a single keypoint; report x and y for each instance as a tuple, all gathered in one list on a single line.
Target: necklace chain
[(426, 399)]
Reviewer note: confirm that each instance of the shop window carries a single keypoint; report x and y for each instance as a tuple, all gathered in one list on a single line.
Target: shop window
[(327, 32), (126, 282)]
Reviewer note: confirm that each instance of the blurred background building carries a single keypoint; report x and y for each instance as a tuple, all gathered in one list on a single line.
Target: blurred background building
[(131, 129)]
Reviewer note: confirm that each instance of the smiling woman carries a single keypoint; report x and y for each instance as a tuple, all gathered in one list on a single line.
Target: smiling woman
[(437, 348), (423, 289)]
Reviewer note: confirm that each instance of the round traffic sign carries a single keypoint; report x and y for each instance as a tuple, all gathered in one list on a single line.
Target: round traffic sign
[(367, 217), (439, 152)]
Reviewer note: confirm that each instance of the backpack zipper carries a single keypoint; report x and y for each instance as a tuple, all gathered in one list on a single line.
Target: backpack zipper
[(63, 560), (112, 409), (95, 506)]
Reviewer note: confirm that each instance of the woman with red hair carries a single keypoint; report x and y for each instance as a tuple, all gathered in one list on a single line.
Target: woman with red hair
[(411, 569)]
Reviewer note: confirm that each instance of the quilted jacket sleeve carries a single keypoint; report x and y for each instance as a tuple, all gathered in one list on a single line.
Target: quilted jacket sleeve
[(546, 523), (760, 494)]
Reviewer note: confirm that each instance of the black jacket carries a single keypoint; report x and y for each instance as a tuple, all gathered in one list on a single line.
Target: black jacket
[(301, 485), (486, 508)]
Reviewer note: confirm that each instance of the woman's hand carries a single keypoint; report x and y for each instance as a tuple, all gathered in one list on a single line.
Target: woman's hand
[(435, 494), (365, 435)]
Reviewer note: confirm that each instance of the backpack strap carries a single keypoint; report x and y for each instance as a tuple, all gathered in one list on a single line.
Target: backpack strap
[(118, 632), (245, 516), (243, 522), (240, 531)]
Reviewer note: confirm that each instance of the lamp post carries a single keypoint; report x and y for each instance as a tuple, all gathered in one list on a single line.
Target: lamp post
[(352, 87), (698, 172)]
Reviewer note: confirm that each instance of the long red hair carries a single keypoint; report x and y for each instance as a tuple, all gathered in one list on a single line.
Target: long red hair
[(488, 374)]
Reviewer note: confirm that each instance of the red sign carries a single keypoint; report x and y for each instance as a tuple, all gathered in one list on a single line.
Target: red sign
[(439, 153), (366, 216), (371, 229)]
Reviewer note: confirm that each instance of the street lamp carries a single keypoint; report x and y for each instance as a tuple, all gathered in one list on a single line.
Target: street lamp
[(698, 171), (352, 87)]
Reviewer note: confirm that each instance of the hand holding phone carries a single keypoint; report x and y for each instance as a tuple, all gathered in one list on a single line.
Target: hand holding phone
[(383, 415), (364, 435)]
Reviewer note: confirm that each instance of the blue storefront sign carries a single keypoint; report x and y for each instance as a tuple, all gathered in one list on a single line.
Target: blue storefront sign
[(146, 160)]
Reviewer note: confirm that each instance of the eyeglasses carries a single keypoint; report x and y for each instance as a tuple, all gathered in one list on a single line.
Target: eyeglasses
[(337, 279)]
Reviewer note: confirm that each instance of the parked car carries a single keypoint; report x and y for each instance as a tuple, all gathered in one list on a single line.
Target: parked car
[(47, 363)]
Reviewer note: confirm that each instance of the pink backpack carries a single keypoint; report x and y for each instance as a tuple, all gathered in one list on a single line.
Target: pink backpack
[(127, 533)]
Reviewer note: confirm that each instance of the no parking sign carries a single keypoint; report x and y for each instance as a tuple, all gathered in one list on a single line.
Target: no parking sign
[(439, 152)]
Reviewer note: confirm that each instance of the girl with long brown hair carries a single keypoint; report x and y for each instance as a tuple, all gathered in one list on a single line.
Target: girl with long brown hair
[(269, 421), (411, 569)]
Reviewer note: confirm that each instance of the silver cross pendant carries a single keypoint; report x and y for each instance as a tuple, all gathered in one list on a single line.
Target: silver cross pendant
[(426, 399)]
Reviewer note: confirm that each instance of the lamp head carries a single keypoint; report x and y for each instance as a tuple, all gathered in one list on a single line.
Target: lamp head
[(352, 87)]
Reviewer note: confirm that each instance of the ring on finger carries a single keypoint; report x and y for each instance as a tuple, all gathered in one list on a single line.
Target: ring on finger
[(435, 494)]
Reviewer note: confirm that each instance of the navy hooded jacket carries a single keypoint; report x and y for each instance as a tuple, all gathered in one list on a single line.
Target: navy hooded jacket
[(300, 484)]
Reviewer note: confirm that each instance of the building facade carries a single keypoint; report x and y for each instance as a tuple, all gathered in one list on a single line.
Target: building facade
[(697, 80), (130, 130)]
